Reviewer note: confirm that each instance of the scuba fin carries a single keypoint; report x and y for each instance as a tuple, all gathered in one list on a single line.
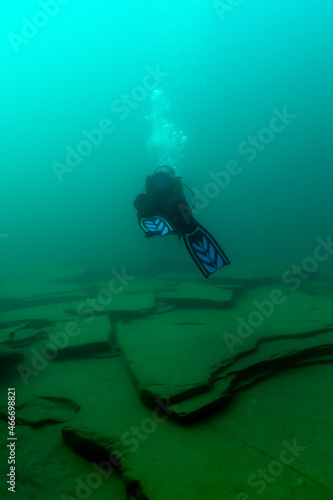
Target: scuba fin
[(155, 226), (205, 251)]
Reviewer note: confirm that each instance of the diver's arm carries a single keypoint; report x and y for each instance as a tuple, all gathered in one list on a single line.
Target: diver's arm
[(139, 201)]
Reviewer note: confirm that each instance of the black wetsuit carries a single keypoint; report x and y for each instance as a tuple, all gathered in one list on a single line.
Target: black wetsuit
[(165, 199)]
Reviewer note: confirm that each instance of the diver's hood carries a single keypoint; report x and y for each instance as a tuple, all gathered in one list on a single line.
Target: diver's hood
[(162, 178)]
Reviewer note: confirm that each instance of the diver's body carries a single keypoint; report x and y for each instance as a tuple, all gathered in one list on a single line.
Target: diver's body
[(162, 209), (163, 195)]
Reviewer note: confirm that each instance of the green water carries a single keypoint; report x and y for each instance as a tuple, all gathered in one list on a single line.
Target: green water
[(224, 71), (249, 84)]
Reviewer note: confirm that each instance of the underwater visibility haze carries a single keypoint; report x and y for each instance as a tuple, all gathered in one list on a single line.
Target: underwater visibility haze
[(207, 125), (223, 70)]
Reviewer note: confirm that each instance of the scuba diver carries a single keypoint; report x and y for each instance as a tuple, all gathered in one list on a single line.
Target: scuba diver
[(162, 209)]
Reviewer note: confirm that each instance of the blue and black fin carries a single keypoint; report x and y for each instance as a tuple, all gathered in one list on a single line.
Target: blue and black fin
[(156, 226), (205, 251)]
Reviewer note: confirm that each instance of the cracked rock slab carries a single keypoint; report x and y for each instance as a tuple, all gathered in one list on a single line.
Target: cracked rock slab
[(105, 453), (44, 410), (194, 295), (197, 364), (79, 338), (9, 357)]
